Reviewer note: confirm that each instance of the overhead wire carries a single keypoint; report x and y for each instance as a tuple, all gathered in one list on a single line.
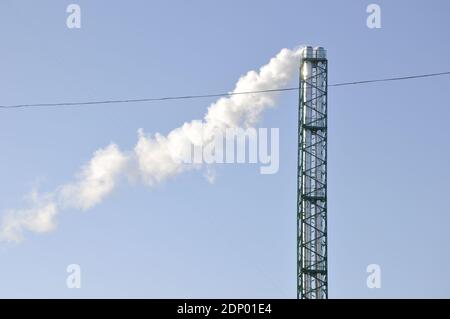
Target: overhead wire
[(186, 97)]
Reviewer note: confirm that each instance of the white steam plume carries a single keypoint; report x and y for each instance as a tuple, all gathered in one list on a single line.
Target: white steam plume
[(40, 218), (96, 180), (156, 157)]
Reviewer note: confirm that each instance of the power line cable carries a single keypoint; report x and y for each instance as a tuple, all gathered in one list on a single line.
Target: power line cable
[(186, 97), (392, 79)]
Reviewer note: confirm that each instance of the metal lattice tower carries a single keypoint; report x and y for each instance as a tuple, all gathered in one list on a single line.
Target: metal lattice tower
[(312, 270)]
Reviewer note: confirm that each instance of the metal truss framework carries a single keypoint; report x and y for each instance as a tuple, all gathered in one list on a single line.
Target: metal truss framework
[(312, 270)]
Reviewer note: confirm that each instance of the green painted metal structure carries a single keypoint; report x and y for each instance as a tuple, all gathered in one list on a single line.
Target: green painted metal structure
[(312, 268)]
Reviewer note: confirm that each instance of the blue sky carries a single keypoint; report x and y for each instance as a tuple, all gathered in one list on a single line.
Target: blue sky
[(388, 148)]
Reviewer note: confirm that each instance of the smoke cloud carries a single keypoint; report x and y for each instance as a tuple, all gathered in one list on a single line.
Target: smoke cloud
[(155, 157), (96, 180), (40, 218)]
